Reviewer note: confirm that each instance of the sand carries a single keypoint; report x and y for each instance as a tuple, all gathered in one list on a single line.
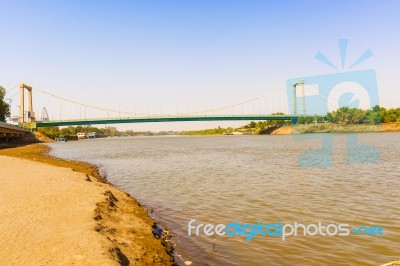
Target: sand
[(45, 217), (57, 212), (285, 130)]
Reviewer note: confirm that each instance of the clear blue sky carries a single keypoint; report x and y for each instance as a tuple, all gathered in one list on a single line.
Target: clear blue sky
[(135, 54)]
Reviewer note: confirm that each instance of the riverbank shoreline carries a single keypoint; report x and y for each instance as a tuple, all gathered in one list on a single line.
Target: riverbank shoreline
[(299, 129), (123, 226), (336, 128)]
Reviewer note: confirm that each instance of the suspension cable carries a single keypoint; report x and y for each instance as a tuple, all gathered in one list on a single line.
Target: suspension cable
[(8, 91), (132, 113)]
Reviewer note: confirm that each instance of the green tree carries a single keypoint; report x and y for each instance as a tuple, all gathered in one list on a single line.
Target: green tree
[(253, 124), (4, 107), (398, 115), (357, 116), (390, 116), (346, 115), (52, 132), (374, 116)]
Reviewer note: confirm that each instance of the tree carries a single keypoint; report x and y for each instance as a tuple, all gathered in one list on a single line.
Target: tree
[(346, 115), (51, 132), (374, 116), (4, 107)]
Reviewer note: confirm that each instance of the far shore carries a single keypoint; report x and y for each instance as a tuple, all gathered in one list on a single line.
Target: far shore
[(299, 129), (252, 128), (336, 128), (57, 211)]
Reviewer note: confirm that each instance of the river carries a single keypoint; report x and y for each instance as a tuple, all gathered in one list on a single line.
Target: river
[(251, 179)]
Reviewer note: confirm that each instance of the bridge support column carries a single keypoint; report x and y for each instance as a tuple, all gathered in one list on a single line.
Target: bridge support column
[(21, 104), (303, 99), (294, 100), (31, 115), (300, 82)]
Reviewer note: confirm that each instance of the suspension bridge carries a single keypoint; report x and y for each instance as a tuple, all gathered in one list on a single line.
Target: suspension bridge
[(59, 111)]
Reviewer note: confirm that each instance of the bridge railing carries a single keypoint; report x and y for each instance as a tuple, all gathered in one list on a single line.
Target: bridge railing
[(122, 120), (155, 116)]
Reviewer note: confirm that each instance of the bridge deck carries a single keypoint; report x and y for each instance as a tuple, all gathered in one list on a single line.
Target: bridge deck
[(165, 119)]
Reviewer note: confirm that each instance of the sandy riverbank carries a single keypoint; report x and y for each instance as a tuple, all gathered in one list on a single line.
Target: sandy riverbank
[(59, 212)]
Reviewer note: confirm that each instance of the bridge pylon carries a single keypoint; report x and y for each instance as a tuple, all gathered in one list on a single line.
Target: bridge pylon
[(31, 114), (303, 99)]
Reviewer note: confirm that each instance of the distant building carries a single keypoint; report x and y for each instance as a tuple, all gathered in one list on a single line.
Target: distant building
[(81, 135)]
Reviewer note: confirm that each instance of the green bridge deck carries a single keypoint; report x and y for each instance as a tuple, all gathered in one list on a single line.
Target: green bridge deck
[(292, 118)]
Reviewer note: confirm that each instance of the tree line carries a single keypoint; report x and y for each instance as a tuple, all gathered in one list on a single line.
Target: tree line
[(376, 115), (351, 116), (4, 107), (71, 131)]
